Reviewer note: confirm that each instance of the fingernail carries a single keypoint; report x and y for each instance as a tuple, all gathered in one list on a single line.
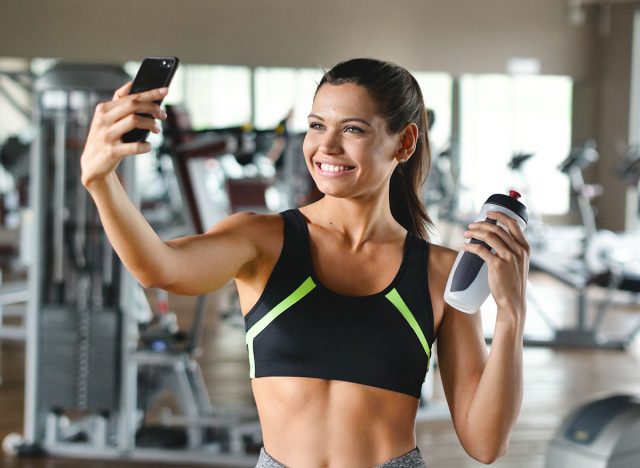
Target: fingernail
[(467, 233), (163, 90)]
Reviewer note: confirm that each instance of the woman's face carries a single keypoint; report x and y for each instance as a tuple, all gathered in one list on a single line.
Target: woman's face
[(348, 148)]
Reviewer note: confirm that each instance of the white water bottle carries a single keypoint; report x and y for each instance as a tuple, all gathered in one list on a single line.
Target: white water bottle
[(468, 283)]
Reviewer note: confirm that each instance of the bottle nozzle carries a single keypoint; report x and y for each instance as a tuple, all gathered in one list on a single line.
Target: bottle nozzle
[(514, 194)]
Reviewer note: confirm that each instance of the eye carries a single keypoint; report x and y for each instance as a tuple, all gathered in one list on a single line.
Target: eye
[(316, 126), (353, 129)]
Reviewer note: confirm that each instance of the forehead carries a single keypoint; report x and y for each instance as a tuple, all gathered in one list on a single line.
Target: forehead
[(347, 99)]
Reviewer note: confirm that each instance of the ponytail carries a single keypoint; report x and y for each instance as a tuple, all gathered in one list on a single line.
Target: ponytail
[(405, 191)]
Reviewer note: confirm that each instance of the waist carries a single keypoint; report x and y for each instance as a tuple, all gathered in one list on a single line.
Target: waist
[(411, 459), (333, 421)]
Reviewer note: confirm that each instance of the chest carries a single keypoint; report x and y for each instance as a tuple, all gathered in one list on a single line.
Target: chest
[(368, 340), (355, 274)]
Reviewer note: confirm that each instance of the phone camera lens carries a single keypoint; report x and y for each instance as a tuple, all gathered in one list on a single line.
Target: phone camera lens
[(164, 62)]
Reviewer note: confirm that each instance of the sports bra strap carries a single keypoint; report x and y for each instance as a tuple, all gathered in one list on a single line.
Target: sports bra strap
[(295, 247)]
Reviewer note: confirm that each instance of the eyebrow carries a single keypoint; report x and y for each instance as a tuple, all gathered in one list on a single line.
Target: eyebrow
[(348, 119)]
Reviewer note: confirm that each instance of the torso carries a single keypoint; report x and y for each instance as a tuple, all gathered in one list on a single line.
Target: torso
[(330, 423)]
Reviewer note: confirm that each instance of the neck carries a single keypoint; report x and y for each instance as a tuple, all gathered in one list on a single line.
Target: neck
[(358, 220)]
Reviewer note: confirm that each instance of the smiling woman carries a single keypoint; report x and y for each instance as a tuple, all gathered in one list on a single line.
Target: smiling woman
[(343, 298), (379, 99)]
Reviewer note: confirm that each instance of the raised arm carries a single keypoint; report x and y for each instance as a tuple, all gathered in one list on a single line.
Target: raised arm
[(484, 391), (189, 265)]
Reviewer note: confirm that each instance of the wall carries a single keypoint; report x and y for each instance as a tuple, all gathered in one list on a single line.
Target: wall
[(614, 101), (455, 36)]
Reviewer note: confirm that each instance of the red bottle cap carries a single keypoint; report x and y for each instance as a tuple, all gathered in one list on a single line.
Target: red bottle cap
[(514, 194)]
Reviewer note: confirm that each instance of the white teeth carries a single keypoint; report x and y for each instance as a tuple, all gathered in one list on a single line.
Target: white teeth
[(331, 168)]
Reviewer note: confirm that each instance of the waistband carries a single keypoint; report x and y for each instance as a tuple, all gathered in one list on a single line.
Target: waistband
[(412, 459)]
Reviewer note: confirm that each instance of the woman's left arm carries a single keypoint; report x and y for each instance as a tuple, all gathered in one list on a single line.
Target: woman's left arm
[(485, 393)]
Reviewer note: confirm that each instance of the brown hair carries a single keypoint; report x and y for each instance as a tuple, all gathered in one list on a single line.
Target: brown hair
[(399, 101)]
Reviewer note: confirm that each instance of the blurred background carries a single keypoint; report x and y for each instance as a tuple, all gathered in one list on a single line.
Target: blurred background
[(539, 96)]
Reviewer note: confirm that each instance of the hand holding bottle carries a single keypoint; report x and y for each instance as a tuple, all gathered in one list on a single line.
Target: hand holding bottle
[(496, 260), (508, 260)]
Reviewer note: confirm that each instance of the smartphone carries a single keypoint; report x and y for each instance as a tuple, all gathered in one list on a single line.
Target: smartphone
[(154, 72)]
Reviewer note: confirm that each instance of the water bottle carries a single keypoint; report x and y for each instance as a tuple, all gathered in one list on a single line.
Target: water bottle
[(468, 283)]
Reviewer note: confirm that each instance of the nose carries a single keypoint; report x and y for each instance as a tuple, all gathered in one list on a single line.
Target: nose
[(330, 142)]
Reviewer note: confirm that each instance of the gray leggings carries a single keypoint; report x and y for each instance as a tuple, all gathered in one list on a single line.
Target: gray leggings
[(411, 459)]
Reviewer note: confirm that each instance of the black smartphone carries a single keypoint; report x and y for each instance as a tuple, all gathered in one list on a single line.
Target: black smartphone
[(154, 72)]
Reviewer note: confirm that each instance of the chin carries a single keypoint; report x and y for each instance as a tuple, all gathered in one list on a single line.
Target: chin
[(334, 193)]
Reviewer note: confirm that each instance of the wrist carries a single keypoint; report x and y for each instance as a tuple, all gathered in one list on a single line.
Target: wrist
[(99, 184), (511, 319)]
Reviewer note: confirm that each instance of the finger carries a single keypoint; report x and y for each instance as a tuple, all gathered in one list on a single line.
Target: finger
[(481, 252), (129, 149), (501, 233), (126, 108), (122, 91), (512, 226), (493, 240), (151, 95), (129, 123)]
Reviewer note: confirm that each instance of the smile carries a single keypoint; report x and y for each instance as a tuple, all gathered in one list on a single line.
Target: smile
[(331, 170)]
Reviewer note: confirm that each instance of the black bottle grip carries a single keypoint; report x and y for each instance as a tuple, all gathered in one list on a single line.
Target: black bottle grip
[(469, 265), (483, 243)]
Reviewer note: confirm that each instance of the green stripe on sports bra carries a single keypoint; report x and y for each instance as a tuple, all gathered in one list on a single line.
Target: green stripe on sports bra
[(305, 288), (396, 300)]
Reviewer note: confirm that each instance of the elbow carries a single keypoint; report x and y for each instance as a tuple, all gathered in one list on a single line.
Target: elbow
[(151, 281), (148, 284), (488, 458), (488, 455)]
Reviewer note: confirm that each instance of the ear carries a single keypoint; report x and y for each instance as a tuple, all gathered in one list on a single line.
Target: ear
[(408, 142)]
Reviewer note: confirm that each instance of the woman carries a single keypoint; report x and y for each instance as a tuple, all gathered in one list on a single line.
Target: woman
[(342, 298)]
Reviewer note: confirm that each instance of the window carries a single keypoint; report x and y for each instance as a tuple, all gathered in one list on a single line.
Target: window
[(437, 92), (502, 115), (216, 96), (279, 90)]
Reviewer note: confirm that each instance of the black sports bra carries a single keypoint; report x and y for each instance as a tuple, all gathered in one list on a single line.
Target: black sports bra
[(300, 328)]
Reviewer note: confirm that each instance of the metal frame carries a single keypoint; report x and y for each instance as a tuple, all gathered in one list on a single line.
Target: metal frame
[(113, 436)]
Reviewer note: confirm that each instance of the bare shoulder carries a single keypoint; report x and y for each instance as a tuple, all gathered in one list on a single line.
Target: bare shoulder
[(261, 230), (247, 223), (441, 260)]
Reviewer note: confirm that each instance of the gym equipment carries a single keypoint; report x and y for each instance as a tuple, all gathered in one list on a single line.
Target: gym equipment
[(628, 168), (441, 189), (468, 284), (601, 258), (537, 230), (74, 316), (603, 433), (219, 170), (24, 80), (92, 367)]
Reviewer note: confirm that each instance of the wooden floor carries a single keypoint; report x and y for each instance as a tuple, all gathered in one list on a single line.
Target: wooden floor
[(555, 381)]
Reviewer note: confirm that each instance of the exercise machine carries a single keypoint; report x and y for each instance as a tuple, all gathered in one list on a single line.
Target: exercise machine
[(602, 433), (92, 362), (599, 258)]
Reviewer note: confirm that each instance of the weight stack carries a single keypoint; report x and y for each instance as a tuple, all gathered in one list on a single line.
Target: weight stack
[(80, 359)]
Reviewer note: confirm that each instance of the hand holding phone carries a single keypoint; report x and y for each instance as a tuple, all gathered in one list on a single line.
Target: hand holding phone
[(154, 72)]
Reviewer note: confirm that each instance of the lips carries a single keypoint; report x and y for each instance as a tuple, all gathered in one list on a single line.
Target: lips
[(333, 170)]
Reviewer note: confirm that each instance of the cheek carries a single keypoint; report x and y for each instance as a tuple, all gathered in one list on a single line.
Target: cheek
[(308, 148)]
